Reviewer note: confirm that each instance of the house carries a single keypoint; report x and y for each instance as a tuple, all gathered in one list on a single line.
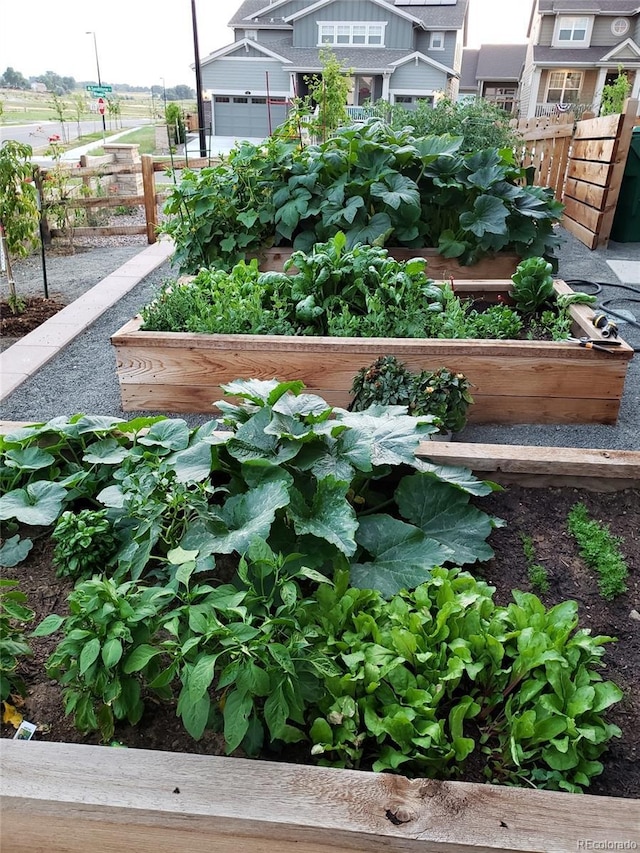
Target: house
[(400, 51), (575, 48), (493, 72)]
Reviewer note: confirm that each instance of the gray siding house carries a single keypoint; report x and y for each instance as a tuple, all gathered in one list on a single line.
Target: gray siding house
[(400, 51), (575, 48), (493, 72)]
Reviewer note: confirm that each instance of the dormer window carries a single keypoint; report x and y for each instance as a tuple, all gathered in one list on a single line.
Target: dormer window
[(572, 31), (620, 26), (351, 34), (436, 41), (251, 34)]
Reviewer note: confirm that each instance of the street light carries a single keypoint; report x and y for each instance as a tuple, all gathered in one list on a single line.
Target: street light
[(95, 47), (201, 132)]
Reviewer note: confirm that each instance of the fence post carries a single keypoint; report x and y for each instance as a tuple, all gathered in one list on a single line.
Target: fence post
[(150, 206), (619, 160)]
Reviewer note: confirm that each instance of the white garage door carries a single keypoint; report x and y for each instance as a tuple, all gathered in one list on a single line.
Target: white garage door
[(247, 116)]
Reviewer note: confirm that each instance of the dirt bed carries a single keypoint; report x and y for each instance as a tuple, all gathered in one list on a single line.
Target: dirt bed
[(538, 513)]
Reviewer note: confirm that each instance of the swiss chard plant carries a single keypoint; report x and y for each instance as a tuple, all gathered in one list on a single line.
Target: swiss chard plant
[(377, 185)]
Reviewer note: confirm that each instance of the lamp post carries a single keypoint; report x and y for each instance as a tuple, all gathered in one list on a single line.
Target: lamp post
[(95, 47), (201, 131)]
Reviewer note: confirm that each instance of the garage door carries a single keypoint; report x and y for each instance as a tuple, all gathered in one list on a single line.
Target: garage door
[(247, 117)]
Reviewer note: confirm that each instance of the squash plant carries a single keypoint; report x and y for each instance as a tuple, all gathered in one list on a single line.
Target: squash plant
[(377, 185)]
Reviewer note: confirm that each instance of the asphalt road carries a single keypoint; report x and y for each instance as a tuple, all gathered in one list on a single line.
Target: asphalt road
[(37, 133)]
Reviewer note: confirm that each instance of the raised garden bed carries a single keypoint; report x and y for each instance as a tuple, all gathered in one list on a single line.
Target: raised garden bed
[(67, 797), (514, 381)]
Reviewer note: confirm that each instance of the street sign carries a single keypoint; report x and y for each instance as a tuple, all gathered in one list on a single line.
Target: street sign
[(101, 106), (99, 91)]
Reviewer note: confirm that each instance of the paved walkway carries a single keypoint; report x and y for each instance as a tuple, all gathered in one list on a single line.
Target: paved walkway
[(34, 350)]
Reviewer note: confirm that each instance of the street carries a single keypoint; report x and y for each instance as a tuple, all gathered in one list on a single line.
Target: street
[(36, 134)]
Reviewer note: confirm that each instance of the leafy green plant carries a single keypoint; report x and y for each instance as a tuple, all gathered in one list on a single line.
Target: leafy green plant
[(551, 325), (14, 614), (377, 185), (600, 549), (434, 675), (107, 622), (440, 393), (329, 91), (84, 543), (175, 123), (538, 575), (615, 94), (532, 285), (358, 292)]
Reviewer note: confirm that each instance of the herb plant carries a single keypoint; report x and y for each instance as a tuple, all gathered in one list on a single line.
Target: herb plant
[(532, 285), (14, 614), (600, 549), (85, 543), (538, 575), (440, 393)]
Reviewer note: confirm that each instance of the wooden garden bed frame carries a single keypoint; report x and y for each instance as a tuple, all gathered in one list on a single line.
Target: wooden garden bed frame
[(91, 799), (513, 381)]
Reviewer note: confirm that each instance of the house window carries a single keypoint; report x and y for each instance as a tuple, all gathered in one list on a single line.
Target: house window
[(620, 26), (351, 34), (251, 34), (240, 101), (436, 41), (220, 99), (572, 32), (564, 87), (403, 99)]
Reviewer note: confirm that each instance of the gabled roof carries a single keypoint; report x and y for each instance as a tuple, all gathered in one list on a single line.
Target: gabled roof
[(319, 4), (589, 7), (501, 61), (627, 45), (435, 17), (468, 79), (239, 46), (588, 56), (421, 57)]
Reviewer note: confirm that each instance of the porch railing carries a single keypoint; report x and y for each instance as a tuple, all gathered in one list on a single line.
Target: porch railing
[(559, 109)]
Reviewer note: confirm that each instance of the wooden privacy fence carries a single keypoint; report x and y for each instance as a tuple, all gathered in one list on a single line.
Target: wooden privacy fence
[(584, 163)]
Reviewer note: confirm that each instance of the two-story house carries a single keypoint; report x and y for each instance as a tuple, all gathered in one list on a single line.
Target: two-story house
[(401, 51), (493, 72), (575, 48)]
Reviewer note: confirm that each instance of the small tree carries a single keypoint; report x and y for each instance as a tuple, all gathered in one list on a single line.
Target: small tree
[(329, 91), (175, 124), (615, 94), (79, 109), (19, 214), (60, 109)]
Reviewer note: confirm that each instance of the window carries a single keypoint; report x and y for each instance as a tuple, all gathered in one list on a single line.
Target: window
[(220, 99), (240, 101), (573, 32), (251, 34), (436, 41), (403, 99), (620, 26), (564, 87), (351, 34), (258, 100)]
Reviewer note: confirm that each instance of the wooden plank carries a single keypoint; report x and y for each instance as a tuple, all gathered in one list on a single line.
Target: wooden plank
[(593, 173), (150, 206), (588, 193), (162, 165), (598, 128), (77, 798), (100, 201), (583, 234), (623, 143), (600, 150), (98, 171), (102, 231), (557, 461), (557, 131), (589, 217)]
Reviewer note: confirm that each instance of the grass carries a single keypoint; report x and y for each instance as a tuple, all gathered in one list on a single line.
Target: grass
[(537, 574), (145, 137), (600, 550)]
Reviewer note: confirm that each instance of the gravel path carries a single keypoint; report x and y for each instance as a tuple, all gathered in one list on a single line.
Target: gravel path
[(82, 378)]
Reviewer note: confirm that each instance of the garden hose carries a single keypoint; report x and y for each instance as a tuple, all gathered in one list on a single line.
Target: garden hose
[(604, 304)]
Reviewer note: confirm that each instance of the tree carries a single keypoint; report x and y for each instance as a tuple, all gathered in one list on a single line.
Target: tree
[(14, 79), (615, 94), (184, 93), (79, 103), (329, 91), (19, 215)]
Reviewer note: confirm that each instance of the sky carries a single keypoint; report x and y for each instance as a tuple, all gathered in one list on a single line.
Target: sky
[(140, 42)]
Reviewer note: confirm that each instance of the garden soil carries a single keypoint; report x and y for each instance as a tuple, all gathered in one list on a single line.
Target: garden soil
[(537, 513)]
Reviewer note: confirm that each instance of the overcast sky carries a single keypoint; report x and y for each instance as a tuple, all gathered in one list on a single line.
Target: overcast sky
[(141, 41)]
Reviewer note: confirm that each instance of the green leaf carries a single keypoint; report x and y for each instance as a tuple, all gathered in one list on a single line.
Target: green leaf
[(29, 459), (49, 625), (139, 658), (390, 438), (606, 693), (111, 652), (107, 451), (581, 701), (89, 655), (201, 676), (172, 434), (374, 232), (489, 215), (403, 555), (249, 516), (396, 190), (444, 514), (193, 464), (461, 478), (39, 504), (195, 716), (237, 708), (329, 517), (276, 712), (14, 551)]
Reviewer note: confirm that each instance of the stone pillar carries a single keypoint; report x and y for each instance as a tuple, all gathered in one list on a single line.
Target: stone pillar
[(126, 155)]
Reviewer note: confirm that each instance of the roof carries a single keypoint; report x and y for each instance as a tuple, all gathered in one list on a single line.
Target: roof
[(434, 17), (543, 55), (501, 61), (468, 79), (594, 7), (357, 59)]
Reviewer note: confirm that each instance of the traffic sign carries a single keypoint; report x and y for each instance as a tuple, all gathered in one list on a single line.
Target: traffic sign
[(101, 106), (99, 91)]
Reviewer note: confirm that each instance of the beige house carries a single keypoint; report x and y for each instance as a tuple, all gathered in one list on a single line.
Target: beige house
[(493, 72), (575, 48)]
